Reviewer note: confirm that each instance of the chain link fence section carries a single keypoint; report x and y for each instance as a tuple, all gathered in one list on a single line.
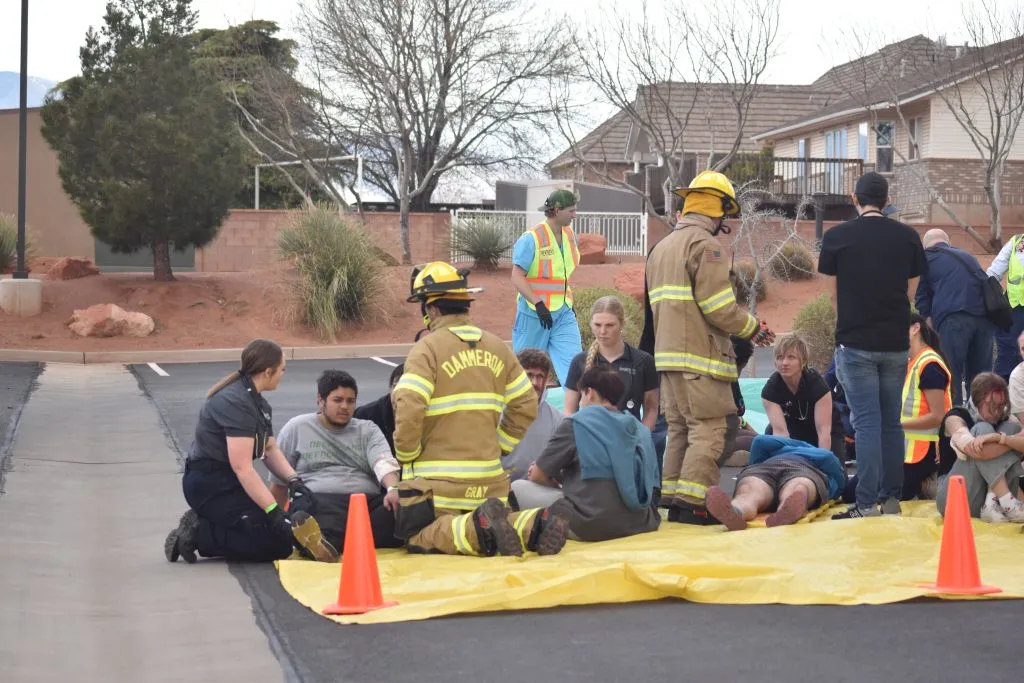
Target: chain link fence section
[(626, 232)]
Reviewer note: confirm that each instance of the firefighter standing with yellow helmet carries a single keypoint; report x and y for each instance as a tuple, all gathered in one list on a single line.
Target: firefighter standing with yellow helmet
[(462, 401), (690, 311)]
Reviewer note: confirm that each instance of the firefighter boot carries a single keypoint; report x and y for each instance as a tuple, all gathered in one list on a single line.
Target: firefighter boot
[(493, 530), (686, 513), (553, 522), (306, 531), (181, 542)]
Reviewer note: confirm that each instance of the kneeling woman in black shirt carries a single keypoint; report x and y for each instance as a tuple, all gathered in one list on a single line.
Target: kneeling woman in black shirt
[(232, 512), (798, 401)]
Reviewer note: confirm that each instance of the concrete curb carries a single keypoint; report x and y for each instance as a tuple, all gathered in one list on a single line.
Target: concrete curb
[(201, 355)]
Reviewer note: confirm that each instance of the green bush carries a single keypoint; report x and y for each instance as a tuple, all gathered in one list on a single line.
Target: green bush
[(483, 241), (743, 282), (9, 242), (816, 323), (793, 262), (341, 277), (584, 299)]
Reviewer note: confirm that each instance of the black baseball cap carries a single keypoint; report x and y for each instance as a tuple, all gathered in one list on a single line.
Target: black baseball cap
[(872, 188)]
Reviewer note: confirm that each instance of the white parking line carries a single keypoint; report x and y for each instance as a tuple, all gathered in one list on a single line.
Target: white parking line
[(385, 362), (158, 370)]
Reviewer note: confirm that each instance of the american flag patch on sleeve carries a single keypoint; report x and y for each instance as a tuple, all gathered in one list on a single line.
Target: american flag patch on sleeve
[(712, 255)]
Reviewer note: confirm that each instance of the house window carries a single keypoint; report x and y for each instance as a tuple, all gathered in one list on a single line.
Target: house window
[(862, 141), (883, 146), (835, 148), (803, 151), (915, 130)]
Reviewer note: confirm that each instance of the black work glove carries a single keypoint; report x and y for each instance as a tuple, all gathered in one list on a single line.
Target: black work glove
[(300, 497), (546, 321), (277, 520)]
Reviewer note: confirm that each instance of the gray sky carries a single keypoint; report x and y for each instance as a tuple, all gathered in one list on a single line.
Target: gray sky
[(810, 41)]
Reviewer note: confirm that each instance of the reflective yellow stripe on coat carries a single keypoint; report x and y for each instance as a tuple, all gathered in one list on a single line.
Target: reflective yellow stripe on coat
[(915, 404)]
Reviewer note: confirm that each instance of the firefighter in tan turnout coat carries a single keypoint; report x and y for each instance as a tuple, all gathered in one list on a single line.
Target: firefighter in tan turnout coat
[(462, 401), (690, 312)]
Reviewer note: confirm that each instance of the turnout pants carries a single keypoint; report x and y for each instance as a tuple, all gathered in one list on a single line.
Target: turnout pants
[(695, 407), (230, 524), (436, 516)]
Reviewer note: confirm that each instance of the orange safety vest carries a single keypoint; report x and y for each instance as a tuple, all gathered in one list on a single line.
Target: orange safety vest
[(915, 404), (551, 268)]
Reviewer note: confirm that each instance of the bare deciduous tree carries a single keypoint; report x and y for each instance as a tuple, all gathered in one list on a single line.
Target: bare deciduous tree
[(421, 87), (986, 92), (663, 73)]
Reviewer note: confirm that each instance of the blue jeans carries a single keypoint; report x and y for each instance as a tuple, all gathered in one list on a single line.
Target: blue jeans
[(967, 343), (873, 382), (1008, 353)]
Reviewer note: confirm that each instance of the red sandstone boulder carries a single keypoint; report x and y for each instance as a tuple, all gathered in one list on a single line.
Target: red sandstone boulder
[(70, 268), (592, 248), (630, 280), (108, 320)]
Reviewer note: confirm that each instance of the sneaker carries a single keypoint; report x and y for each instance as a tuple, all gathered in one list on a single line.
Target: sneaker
[(181, 542), (854, 512), (891, 506), (494, 532), (1014, 511), (691, 514), (790, 510), (992, 512), (306, 531), (720, 505), (554, 529)]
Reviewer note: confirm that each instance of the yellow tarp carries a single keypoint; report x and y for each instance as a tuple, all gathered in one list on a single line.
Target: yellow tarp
[(868, 561)]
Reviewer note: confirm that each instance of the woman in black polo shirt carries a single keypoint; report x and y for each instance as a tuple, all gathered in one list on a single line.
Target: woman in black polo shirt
[(798, 401), (232, 513), (636, 367)]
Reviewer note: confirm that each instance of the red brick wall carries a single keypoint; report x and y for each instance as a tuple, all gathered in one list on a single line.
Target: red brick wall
[(248, 239), (961, 184)]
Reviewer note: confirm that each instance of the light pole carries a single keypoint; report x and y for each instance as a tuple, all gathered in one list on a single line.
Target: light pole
[(20, 273)]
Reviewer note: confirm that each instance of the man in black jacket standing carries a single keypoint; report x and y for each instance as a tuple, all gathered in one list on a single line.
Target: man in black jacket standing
[(382, 411), (950, 293)]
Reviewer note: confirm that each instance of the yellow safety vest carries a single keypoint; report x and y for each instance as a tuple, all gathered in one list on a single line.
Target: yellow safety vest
[(551, 269), (915, 404), (1015, 275)]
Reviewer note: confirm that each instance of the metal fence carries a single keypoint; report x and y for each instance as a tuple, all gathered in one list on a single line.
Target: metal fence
[(626, 232)]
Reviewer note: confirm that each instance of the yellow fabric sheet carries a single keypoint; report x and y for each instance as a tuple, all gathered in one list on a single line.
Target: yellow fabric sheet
[(850, 562)]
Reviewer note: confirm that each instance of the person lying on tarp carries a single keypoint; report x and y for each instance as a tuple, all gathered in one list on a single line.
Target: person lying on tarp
[(785, 477), (338, 455), (381, 412), (602, 461)]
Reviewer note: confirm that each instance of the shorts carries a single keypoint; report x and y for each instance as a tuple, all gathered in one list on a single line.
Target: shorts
[(777, 472)]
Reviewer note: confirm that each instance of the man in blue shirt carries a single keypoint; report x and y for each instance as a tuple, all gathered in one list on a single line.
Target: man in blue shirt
[(543, 261), (950, 293)]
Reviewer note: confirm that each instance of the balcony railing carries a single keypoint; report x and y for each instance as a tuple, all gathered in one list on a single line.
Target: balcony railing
[(792, 177)]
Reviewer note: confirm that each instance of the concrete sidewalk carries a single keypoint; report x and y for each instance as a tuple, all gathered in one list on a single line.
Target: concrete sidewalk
[(85, 592)]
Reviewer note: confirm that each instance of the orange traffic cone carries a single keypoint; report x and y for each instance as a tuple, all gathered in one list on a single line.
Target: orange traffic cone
[(359, 591), (958, 558)]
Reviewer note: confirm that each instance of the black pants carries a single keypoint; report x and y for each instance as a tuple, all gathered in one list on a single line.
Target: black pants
[(230, 524), (332, 515)]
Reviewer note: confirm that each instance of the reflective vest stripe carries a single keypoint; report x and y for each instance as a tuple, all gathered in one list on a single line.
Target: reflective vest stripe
[(517, 387), (717, 301), (750, 328), (667, 362), (507, 443), (1015, 275), (407, 456), (671, 293), (454, 403), (915, 404), (524, 525), (460, 537), (466, 332), (467, 504), (453, 469), (415, 383), (691, 488), (549, 275)]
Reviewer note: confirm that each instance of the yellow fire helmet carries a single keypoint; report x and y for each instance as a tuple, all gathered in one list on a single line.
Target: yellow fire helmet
[(716, 184), (440, 280)]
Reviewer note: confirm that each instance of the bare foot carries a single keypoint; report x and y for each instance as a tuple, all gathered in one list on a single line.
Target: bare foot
[(790, 511), (719, 504)]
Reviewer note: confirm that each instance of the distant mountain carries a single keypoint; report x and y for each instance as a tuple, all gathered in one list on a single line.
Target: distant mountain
[(10, 97)]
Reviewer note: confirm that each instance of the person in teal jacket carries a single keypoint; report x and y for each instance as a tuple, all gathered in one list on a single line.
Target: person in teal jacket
[(786, 477)]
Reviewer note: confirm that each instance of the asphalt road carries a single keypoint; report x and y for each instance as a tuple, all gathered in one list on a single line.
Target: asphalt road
[(16, 382), (670, 640)]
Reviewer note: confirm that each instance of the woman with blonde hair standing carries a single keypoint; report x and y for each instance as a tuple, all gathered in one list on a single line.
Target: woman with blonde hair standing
[(636, 367)]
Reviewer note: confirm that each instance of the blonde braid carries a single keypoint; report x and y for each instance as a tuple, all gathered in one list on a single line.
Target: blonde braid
[(591, 356)]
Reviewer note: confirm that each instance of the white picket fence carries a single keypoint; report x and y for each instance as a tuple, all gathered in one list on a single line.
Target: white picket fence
[(626, 232)]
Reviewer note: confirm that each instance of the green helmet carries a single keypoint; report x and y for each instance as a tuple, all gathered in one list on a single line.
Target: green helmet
[(559, 199)]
